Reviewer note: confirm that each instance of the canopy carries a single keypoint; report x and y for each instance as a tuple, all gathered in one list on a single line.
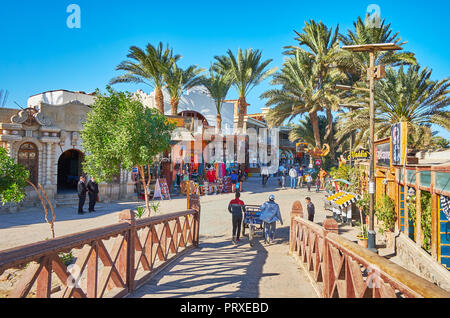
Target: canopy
[(342, 199), (343, 181)]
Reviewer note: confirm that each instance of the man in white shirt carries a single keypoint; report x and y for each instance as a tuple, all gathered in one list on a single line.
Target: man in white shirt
[(293, 176)]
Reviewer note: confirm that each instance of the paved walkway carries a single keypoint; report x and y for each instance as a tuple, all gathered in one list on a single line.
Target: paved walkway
[(217, 268), (220, 269)]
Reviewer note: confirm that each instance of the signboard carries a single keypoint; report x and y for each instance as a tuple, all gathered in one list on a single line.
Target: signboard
[(383, 155), (161, 190), (317, 162), (399, 139), (359, 155)]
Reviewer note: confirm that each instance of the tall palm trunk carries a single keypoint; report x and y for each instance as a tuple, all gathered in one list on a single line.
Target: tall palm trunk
[(315, 125), (219, 123), (159, 98), (174, 106), (242, 109), (329, 134)]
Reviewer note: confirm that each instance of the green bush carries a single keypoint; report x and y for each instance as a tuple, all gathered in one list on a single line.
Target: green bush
[(385, 212), (425, 201)]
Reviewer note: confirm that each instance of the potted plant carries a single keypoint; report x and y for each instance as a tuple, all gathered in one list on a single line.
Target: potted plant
[(363, 236)]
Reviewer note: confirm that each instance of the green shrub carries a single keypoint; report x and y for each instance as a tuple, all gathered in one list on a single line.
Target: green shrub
[(385, 212), (425, 201)]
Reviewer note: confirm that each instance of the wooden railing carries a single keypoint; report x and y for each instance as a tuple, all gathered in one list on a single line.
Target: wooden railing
[(339, 268), (110, 262)]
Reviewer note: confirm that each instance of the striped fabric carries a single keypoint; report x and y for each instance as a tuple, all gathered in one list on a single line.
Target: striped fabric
[(445, 206)]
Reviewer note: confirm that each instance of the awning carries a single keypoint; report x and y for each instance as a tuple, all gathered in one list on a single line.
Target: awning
[(342, 199)]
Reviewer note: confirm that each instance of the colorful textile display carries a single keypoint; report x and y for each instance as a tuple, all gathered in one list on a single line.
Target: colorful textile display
[(227, 186)]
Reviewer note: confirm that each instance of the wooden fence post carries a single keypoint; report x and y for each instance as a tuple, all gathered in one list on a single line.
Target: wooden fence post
[(127, 255), (329, 225), (297, 211)]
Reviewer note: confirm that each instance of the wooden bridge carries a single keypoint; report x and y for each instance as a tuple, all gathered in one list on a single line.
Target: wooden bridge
[(122, 260)]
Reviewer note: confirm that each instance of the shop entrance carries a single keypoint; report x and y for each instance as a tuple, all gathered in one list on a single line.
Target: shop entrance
[(69, 170)]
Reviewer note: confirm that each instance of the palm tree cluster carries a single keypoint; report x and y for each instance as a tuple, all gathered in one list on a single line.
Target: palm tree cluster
[(306, 86), (157, 67)]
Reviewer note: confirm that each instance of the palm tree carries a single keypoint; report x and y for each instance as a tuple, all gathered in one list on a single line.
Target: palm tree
[(322, 43), (304, 130), (147, 67), (178, 81), (303, 90), (218, 85), (402, 96), (357, 64), (246, 71)]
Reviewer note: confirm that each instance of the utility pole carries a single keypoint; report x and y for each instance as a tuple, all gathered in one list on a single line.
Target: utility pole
[(374, 73)]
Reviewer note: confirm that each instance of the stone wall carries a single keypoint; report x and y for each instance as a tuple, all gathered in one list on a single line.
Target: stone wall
[(416, 260)]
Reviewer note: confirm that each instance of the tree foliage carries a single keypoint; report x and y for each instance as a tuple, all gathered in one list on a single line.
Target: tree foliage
[(121, 133), (13, 179)]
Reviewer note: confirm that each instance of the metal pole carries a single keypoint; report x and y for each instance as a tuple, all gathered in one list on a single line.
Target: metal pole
[(371, 232)]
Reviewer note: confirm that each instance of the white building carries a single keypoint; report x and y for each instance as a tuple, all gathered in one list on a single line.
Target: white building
[(45, 138)]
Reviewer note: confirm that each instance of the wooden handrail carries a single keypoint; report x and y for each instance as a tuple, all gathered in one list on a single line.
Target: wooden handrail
[(139, 248), (415, 283), (337, 267)]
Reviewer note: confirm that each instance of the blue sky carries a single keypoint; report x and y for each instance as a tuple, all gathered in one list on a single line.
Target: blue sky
[(38, 52)]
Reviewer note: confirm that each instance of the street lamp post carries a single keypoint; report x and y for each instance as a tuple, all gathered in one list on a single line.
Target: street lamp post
[(373, 74)]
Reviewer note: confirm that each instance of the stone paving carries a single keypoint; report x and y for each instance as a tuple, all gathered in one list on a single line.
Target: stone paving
[(217, 268)]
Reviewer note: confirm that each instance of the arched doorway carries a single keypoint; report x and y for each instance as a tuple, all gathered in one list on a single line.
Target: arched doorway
[(69, 170), (194, 114), (28, 156)]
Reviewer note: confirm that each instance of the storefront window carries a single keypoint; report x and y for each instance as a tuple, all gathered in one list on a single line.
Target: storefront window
[(411, 176), (442, 181), (425, 179)]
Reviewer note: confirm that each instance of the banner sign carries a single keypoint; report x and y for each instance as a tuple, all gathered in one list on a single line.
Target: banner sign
[(161, 190), (317, 162), (383, 155), (399, 137)]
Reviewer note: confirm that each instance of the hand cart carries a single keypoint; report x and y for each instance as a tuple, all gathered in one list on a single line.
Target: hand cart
[(251, 221)]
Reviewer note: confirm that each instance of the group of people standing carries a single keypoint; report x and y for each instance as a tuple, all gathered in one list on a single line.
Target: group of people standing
[(298, 176), (87, 189)]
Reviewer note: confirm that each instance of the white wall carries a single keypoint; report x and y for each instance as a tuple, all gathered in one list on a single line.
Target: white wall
[(195, 100), (60, 98)]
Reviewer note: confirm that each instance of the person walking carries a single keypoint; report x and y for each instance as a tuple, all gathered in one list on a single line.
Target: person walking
[(293, 176), (265, 175), (234, 180), (270, 214), (308, 182), (92, 188), (300, 175), (82, 190), (283, 178), (236, 207), (317, 184), (311, 209)]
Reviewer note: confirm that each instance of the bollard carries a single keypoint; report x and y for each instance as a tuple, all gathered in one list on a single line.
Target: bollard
[(297, 210)]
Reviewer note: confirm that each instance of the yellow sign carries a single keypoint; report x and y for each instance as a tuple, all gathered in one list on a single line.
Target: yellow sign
[(362, 154)]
